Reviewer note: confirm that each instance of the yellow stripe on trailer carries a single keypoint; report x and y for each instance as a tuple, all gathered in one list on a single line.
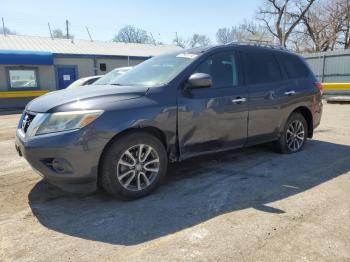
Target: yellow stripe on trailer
[(21, 94), (336, 86)]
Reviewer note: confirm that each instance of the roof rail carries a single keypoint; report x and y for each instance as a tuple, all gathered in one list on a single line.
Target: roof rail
[(261, 44)]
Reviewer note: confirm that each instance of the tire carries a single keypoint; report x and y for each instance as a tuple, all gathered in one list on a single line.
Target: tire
[(122, 157), (285, 144)]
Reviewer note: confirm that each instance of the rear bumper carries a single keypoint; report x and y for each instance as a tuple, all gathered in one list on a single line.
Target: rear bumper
[(68, 160)]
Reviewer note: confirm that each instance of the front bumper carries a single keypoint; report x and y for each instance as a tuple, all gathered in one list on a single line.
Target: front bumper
[(68, 160)]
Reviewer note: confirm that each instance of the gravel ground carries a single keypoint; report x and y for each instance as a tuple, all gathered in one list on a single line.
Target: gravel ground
[(247, 205)]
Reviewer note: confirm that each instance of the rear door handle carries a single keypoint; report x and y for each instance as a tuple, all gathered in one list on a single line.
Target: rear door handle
[(239, 100), (288, 93)]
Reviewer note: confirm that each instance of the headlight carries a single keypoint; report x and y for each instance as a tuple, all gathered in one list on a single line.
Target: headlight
[(64, 121)]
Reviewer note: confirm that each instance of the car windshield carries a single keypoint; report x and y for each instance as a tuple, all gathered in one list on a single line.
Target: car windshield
[(155, 71), (110, 77)]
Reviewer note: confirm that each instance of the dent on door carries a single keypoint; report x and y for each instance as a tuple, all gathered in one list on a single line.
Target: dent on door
[(214, 123), (213, 118)]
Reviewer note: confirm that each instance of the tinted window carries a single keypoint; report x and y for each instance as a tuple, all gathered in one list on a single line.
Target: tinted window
[(262, 68), (294, 66), (222, 69)]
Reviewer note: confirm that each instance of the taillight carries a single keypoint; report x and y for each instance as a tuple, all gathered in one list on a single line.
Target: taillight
[(319, 86)]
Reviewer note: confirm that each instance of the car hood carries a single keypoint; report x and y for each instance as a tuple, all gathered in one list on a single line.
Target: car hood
[(85, 97)]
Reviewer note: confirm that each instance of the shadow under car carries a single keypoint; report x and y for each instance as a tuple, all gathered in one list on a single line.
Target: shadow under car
[(195, 191)]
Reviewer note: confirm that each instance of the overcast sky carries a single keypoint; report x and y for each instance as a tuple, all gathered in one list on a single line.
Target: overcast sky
[(105, 17)]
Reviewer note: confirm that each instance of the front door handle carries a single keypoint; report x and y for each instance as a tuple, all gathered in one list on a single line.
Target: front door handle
[(239, 100), (288, 93)]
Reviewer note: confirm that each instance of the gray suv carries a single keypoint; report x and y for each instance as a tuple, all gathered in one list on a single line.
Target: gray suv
[(121, 136)]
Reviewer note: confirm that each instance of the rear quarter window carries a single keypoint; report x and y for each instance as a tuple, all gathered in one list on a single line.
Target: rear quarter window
[(262, 68), (294, 66)]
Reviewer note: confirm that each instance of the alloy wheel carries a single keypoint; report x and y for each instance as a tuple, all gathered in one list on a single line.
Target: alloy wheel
[(138, 167), (295, 135)]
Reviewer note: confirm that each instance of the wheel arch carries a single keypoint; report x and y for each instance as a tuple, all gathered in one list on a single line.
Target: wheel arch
[(156, 132), (306, 113)]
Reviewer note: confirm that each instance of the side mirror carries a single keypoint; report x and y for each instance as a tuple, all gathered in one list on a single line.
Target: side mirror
[(199, 80)]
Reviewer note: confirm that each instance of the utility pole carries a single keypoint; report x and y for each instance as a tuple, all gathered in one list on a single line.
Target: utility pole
[(67, 28), (87, 30), (3, 26), (50, 30)]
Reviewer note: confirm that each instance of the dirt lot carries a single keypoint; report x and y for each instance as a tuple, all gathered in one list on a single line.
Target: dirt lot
[(246, 205)]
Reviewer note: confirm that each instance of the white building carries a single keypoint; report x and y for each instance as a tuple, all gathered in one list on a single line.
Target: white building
[(31, 66)]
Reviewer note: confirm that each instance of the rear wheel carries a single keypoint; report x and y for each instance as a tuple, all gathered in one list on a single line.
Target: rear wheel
[(294, 135), (133, 166)]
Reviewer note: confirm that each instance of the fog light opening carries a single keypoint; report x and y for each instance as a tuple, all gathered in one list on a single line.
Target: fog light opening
[(58, 165)]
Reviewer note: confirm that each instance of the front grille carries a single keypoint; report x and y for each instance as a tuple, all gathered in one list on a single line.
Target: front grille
[(27, 120)]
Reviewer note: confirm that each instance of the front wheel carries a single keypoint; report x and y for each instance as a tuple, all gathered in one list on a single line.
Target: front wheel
[(133, 166), (294, 135)]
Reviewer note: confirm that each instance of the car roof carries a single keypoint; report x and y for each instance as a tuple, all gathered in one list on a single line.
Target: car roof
[(238, 45), (260, 47)]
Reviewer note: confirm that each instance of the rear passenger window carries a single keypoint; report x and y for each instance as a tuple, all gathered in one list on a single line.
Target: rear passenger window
[(222, 68), (262, 68), (294, 66)]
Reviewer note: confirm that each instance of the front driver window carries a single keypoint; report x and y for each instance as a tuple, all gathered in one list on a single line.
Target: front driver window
[(222, 68)]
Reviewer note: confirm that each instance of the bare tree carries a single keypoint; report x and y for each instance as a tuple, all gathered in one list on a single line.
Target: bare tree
[(199, 40), (196, 40), (131, 34), (245, 32), (345, 25), (325, 26), (281, 22), (179, 41), (300, 42), (255, 33), (316, 29), (58, 33), (225, 35)]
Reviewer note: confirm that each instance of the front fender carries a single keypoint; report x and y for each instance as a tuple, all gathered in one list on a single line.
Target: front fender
[(140, 113)]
